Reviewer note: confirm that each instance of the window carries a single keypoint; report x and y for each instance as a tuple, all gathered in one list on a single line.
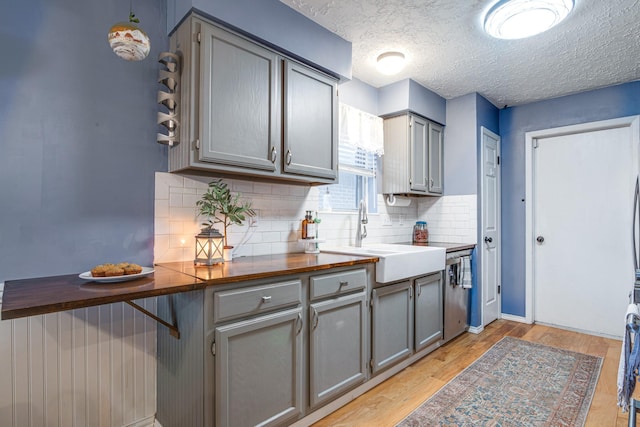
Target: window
[(358, 159), (357, 180)]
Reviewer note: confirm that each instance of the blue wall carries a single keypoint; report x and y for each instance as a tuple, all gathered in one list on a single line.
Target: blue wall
[(611, 102), (276, 24), (428, 103), (407, 95), (460, 141), (359, 95), (78, 137)]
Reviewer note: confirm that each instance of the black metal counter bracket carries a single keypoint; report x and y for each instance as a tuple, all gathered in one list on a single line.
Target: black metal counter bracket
[(173, 327)]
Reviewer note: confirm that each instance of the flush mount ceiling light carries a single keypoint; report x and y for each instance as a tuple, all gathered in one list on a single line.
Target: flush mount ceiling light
[(390, 63), (517, 19)]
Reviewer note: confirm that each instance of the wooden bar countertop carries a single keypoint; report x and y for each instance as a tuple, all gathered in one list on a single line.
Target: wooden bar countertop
[(30, 297)]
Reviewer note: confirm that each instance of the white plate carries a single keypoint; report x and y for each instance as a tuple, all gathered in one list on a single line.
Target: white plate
[(145, 271)]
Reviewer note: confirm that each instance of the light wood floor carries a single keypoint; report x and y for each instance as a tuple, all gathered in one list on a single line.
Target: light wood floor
[(391, 401)]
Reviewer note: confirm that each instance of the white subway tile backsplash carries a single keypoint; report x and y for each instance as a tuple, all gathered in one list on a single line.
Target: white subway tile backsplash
[(302, 192), (242, 187), (162, 226), (161, 208), (261, 249), (281, 208), (175, 199), (178, 213), (271, 237), (451, 218), (261, 188), (176, 227), (190, 199)]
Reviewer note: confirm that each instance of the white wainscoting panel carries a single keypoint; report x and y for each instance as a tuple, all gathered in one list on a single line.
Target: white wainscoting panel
[(86, 367)]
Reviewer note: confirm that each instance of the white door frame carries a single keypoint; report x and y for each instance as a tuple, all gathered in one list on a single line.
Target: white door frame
[(530, 140), (481, 228)]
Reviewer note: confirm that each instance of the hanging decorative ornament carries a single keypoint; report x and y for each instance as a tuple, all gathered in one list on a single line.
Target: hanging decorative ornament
[(127, 40)]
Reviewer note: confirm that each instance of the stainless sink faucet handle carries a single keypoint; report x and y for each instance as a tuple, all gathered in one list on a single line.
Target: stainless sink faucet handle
[(361, 232)]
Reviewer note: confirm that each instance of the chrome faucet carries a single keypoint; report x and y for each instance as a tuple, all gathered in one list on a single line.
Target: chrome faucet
[(361, 232)]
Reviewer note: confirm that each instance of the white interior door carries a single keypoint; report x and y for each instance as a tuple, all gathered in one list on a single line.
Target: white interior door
[(583, 185), (490, 244)]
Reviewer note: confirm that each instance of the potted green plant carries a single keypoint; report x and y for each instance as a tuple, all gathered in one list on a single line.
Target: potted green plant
[(222, 207)]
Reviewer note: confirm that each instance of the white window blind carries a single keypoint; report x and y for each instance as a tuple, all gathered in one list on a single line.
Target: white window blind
[(360, 145)]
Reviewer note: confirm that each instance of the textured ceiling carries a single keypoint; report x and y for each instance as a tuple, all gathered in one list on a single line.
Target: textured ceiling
[(448, 52)]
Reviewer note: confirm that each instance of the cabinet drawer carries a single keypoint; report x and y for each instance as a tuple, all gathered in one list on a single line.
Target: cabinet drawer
[(256, 299), (337, 283)]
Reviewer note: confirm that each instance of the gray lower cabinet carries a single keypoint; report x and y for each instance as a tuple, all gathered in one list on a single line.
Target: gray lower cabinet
[(337, 347), (392, 324), (259, 379), (264, 352), (428, 310)]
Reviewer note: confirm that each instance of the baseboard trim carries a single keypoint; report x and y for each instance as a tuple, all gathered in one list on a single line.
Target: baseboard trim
[(513, 318), (476, 329), (149, 421)]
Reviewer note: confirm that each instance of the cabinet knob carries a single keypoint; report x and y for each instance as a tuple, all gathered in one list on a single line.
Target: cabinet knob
[(288, 157), (488, 239), (344, 283), (540, 239), (274, 154), (266, 299)]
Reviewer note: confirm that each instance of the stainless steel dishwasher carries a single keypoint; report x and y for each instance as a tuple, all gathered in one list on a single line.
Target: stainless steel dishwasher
[(456, 297)]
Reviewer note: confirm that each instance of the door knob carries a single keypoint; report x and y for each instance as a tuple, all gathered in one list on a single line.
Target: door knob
[(488, 239), (540, 239)]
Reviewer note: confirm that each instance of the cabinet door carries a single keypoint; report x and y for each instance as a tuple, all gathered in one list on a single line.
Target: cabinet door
[(392, 324), (428, 310), (310, 122), (239, 102), (419, 151), (338, 340), (435, 155), (259, 370)]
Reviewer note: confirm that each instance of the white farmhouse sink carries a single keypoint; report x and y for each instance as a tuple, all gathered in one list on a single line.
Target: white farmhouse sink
[(397, 262)]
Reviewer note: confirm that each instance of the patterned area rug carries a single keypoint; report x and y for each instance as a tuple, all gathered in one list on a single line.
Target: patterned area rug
[(515, 383)]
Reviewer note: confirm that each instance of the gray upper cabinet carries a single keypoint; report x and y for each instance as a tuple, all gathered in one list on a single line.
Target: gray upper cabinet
[(412, 163), (419, 152), (436, 157), (428, 310), (248, 110), (240, 103), (310, 122)]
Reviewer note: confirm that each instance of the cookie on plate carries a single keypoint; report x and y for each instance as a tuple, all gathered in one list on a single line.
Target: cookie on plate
[(99, 270), (114, 271), (132, 269)]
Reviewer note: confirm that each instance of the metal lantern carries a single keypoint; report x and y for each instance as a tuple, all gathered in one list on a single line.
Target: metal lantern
[(209, 247)]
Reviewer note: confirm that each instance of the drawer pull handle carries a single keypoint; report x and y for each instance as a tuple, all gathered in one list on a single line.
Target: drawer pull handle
[(344, 283), (266, 299), (299, 324)]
